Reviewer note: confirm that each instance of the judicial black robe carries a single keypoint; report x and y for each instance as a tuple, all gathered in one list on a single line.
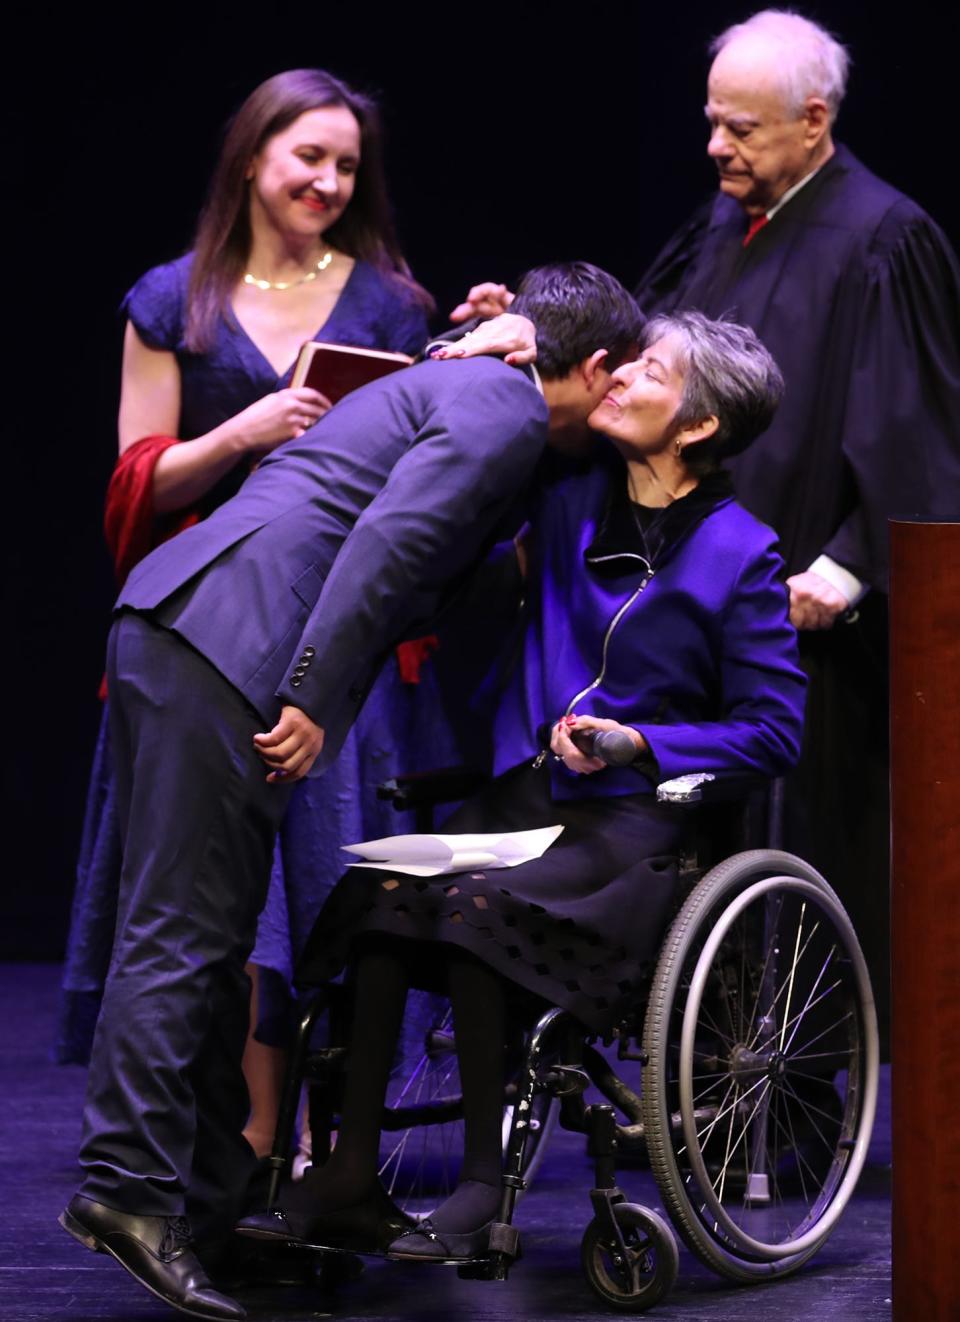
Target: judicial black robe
[(856, 293)]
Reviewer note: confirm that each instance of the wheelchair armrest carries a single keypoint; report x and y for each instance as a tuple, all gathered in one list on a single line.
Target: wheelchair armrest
[(706, 787), (422, 789)]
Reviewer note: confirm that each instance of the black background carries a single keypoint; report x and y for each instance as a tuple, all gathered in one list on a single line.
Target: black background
[(518, 135)]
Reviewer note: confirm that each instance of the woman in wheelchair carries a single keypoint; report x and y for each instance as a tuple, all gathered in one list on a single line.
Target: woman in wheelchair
[(654, 607)]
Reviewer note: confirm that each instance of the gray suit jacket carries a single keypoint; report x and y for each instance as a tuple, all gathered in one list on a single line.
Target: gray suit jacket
[(346, 537)]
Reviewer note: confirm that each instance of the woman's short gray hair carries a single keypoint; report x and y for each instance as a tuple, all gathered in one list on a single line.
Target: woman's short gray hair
[(810, 60), (727, 373)]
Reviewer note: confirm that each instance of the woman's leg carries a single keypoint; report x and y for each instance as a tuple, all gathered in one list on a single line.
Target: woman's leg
[(479, 1021), (263, 1069), (350, 1175)]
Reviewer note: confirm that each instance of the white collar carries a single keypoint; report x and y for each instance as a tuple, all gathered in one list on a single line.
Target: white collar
[(792, 192)]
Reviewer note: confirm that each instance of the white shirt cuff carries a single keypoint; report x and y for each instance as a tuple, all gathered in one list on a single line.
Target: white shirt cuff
[(846, 583)]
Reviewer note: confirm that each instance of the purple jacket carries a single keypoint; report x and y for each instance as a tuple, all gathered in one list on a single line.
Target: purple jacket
[(680, 630)]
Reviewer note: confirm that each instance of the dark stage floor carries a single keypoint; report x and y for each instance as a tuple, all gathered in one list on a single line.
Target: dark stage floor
[(44, 1275)]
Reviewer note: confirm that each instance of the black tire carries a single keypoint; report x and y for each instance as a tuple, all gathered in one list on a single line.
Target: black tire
[(760, 1088), (649, 1270)]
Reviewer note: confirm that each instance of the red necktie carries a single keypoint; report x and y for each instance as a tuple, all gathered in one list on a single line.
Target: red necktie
[(756, 225)]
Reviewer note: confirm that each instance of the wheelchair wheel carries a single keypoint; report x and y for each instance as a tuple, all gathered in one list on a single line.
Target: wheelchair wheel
[(423, 1125), (643, 1271), (760, 1089)]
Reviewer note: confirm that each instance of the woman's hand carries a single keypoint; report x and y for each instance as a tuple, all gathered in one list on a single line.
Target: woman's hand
[(565, 750), (483, 300), (291, 747), (150, 406), (184, 473), (276, 418), (509, 334)]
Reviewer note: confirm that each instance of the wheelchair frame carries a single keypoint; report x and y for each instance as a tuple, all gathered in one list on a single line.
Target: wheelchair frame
[(719, 1129)]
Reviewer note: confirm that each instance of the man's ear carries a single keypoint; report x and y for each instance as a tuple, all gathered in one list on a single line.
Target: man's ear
[(592, 367), (816, 114)]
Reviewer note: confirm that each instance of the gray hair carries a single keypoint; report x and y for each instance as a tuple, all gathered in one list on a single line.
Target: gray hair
[(726, 372), (811, 61)]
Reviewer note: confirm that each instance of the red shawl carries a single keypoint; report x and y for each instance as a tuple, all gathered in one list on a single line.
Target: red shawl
[(129, 523)]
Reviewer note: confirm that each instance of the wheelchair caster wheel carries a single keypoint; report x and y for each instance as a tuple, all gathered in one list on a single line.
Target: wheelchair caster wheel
[(639, 1274)]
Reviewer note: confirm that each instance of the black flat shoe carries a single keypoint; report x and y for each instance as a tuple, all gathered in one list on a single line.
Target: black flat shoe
[(424, 1243), (155, 1250), (366, 1227)]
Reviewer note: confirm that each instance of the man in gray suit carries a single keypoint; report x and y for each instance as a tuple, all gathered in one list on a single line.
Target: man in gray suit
[(241, 654)]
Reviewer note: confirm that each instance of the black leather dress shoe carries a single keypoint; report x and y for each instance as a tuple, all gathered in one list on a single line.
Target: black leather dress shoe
[(155, 1250)]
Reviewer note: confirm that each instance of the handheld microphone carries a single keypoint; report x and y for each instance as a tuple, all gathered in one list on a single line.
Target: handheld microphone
[(615, 747)]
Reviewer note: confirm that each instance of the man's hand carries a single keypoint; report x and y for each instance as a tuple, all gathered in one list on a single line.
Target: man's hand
[(484, 300), (814, 603), (566, 751), (291, 747)]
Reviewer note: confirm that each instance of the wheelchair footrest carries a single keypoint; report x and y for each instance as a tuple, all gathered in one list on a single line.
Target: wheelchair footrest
[(505, 1239), (503, 1249)]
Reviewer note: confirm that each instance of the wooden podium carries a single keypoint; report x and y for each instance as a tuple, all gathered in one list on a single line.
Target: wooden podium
[(925, 802)]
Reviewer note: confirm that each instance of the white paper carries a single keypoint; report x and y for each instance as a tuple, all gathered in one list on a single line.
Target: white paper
[(428, 855)]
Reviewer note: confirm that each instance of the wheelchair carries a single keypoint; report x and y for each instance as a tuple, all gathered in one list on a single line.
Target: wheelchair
[(756, 1038)]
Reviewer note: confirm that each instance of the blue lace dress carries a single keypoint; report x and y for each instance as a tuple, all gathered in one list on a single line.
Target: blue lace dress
[(401, 727)]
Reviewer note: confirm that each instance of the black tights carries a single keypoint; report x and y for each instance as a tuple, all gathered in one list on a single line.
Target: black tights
[(479, 1019)]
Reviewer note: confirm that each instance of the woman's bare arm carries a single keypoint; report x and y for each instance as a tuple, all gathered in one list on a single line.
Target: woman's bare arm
[(150, 406)]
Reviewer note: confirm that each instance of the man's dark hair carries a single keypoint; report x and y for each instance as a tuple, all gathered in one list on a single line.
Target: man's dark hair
[(577, 309)]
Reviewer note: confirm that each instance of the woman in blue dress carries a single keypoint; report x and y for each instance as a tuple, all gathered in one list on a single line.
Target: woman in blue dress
[(294, 243)]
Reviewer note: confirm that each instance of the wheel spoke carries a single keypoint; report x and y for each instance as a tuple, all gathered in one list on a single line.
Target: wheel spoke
[(790, 1068), (813, 1000), (813, 1004), (802, 1054), (809, 1111), (407, 1169), (711, 1087), (732, 1110), (801, 1159), (708, 1131), (763, 971), (798, 955), (726, 1160), (759, 1103), (793, 970), (706, 1018), (705, 1092), (792, 1139), (418, 1071)]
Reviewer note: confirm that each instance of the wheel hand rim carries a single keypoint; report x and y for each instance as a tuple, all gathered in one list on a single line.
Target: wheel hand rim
[(854, 1159)]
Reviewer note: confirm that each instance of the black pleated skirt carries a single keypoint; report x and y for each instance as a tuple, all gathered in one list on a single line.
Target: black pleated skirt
[(578, 927)]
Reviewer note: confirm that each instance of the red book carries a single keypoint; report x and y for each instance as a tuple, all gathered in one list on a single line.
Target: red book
[(336, 369)]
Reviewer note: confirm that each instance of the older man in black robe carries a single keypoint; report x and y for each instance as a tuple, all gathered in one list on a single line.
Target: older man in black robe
[(856, 293)]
